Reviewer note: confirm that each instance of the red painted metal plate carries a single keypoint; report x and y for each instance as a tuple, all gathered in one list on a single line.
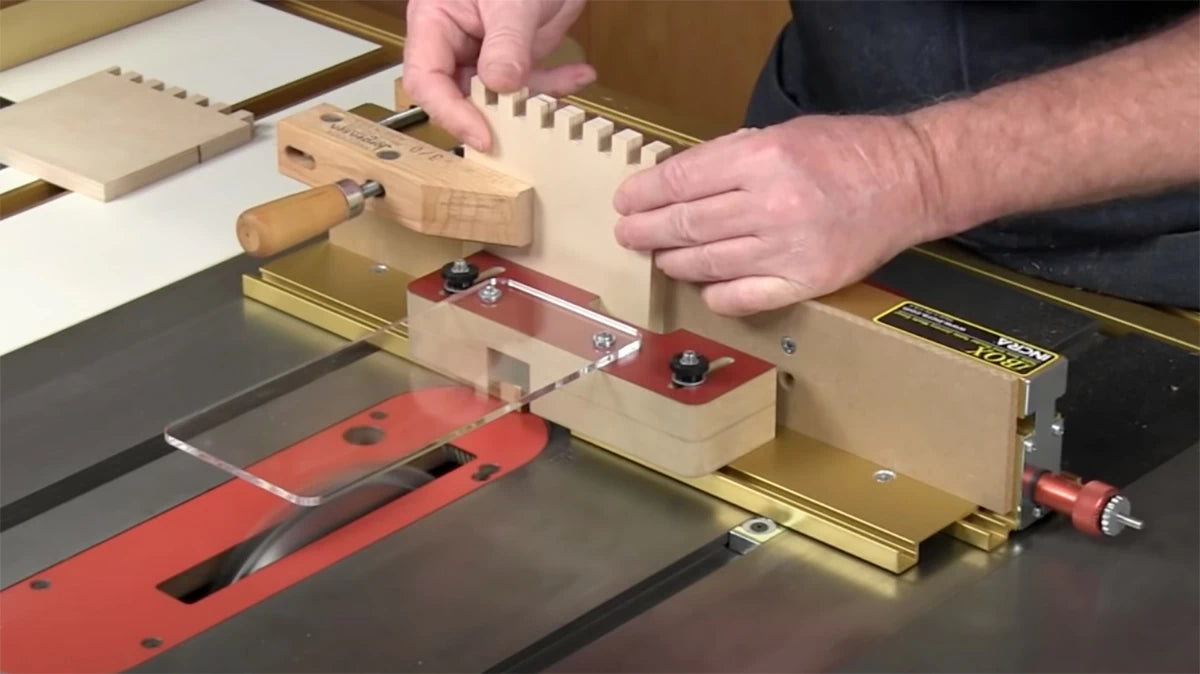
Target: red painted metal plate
[(648, 368), (97, 609)]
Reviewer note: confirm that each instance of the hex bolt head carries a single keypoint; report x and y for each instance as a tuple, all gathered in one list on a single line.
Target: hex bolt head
[(490, 294), (603, 340)]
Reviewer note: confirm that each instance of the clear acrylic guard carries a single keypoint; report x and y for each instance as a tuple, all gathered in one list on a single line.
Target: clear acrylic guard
[(404, 390)]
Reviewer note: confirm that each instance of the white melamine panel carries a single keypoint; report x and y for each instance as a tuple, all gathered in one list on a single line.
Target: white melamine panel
[(228, 50), (73, 258), (11, 177)]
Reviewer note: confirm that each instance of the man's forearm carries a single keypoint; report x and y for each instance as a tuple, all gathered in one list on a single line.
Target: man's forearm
[(1122, 123)]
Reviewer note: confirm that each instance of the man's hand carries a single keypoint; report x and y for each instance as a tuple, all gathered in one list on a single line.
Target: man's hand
[(770, 217), (450, 40)]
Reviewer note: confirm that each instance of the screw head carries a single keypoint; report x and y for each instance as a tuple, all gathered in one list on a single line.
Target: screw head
[(761, 525), (151, 642), (1058, 427), (379, 268), (1028, 445), (788, 345), (883, 475), (490, 294), (1038, 511), (689, 357), (40, 584), (460, 266), (603, 340)]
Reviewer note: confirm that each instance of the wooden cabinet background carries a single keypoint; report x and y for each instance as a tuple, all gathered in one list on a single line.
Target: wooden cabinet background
[(696, 58), (699, 58)]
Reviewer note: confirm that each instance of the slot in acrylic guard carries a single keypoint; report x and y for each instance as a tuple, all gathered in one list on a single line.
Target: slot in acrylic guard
[(317, 431)]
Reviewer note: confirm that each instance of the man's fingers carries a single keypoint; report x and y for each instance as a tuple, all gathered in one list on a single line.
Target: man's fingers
[(561, 81), (717, 261), (430, 73), (688, 223), (753, 294), (702, 171), (506, 55), (440, 96)]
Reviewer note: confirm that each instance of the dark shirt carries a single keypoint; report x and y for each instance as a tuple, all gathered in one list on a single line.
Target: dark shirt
[(888, 57)]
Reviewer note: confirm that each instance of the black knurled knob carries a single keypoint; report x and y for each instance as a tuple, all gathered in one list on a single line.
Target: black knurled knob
[(688, 368), (459, 275)]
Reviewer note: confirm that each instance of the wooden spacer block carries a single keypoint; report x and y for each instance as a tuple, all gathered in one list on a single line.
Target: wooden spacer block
[(426, 189)]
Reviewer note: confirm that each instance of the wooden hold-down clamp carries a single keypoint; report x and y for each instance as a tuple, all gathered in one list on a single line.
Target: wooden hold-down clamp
[(357, 165)]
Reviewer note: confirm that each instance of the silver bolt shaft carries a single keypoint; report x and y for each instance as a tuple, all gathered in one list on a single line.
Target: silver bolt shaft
[(1131, 522), (460, 267)]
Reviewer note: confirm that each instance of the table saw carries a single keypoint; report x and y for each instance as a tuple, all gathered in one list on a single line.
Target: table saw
[(431, 418)]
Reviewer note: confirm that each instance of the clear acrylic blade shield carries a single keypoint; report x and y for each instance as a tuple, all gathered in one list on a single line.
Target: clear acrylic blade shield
[(403, 391)]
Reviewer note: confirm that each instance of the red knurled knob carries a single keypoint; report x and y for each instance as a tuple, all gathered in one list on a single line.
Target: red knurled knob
[(1083, 503)]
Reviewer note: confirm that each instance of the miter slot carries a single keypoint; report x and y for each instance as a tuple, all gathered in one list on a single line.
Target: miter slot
[(298, 527)]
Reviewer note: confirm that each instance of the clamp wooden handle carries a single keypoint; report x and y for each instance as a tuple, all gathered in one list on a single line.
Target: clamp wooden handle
[(278, 225)]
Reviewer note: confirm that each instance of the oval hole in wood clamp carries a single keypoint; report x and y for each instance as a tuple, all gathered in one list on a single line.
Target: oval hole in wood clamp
[(426, 189)]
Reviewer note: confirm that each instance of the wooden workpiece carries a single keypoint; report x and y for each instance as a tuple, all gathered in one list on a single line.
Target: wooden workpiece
[(576, 165), (112, 132), (426, 189)]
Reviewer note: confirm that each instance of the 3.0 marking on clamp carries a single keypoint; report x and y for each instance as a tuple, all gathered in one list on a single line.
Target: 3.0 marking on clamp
[(975, 341)]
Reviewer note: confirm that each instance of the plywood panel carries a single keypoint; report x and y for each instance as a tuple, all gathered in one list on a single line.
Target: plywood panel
[(112, 132)]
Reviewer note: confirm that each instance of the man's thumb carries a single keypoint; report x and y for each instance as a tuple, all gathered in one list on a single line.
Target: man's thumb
[(506, 55)]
